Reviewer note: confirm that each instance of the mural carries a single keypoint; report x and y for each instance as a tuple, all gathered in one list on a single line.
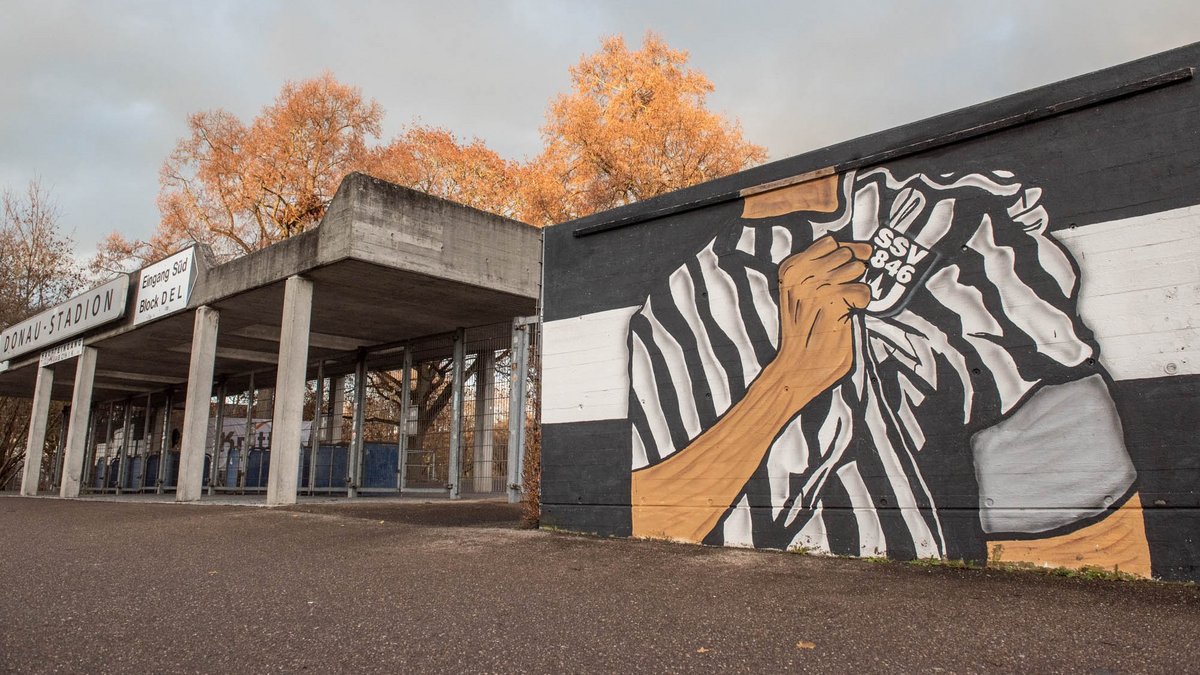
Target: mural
[(881, 364)]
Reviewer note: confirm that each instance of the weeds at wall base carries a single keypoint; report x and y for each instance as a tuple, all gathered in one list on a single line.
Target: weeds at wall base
[(1087, 572)]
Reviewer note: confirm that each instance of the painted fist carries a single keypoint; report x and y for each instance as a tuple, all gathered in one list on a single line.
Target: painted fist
[(818, 289)]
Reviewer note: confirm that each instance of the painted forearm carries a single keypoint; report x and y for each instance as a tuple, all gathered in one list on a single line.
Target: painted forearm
[(684, 496)]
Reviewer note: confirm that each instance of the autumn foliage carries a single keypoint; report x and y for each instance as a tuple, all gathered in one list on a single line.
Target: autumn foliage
[(634, 125)]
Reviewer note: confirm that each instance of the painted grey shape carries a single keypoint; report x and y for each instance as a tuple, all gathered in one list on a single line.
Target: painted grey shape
[(37, 432), (1060, 458), (288, 417), (77, 429), (194, 442)]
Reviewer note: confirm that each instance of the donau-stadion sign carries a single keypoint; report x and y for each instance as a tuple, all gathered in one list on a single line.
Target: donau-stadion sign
[(79, 314), (165, 287)]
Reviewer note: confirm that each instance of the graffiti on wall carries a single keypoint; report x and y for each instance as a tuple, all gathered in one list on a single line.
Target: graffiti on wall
[(881, 364)]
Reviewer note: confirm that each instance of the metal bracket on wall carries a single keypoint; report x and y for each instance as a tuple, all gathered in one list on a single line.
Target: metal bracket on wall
[(1123, 90)]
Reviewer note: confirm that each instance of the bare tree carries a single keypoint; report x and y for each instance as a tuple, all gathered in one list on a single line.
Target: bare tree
[(37, 270)]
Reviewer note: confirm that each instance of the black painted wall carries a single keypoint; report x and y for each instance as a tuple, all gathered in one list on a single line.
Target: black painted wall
[(1131, 153)]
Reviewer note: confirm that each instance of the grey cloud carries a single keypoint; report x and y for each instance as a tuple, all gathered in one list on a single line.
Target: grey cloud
[(97, 93)]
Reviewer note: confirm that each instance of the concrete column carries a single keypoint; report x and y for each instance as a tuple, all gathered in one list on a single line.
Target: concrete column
[(314, 432), (196, 403), (37, 432), (77, 429), (485, 419), (337, 407), (405, 408), (290, 384), (354, 465), (516, 409), (456, 408)]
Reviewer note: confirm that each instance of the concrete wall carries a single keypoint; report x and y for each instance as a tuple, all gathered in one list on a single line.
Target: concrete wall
[(971, 337)]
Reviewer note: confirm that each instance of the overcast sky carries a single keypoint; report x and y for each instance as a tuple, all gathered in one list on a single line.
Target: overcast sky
[(96, 93)]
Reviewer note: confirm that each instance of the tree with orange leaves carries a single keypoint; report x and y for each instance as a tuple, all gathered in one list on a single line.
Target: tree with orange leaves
[(634, 126), (434, 161), (239, 188)]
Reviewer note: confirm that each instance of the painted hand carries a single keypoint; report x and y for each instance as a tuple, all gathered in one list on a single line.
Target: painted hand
[(818, 289)]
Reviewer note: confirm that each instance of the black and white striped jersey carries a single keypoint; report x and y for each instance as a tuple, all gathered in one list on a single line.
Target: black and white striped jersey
[(971, 315)]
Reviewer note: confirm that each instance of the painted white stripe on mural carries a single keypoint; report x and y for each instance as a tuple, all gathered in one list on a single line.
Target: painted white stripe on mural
[(585, 367), (1140, 291)]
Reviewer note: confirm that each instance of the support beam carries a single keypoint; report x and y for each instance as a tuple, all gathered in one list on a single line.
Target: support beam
[(36, 442), (77, 430), (485, 419), (516, 409), (244, 450), (56, 479), (164, 445), (314, 432), (337, 406), (214, 466), (147, 431), (405, 411), (196, 404), (289, 391), (354, 466), (456, 408), (123, 464)]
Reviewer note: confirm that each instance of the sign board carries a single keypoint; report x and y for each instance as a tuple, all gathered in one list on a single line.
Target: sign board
[(67, 350), (78, 315), (165, 287), (3, 366)]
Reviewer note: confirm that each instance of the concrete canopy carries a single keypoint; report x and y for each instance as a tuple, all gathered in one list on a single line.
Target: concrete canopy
[(388, 264)]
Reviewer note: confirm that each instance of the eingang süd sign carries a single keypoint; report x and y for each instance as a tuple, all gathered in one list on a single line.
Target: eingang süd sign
[(165, 287), (162, 288)]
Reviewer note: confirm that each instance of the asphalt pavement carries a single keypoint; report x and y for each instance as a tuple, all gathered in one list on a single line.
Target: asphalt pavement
[(375, 586)]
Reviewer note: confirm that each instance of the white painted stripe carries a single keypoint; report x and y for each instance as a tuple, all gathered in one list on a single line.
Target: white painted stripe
[(1050, 329), (870, 531), (672, 354), (768, 313), (647, 388), (788, 455), (1139, 291), (978, 328), (738, 529), (683, 294), (723, 303), (585, 367), (813, 535)]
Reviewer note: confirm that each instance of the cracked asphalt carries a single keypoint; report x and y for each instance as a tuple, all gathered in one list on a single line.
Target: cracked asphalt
[(380, 586)]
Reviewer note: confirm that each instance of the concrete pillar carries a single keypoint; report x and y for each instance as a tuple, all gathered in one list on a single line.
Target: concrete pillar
[(77, 429), (405, 408), (290, 384), (516, 409), (354, 465), (456, 408), (37, 432), (485, 419), (314, 432), (196, 404)]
